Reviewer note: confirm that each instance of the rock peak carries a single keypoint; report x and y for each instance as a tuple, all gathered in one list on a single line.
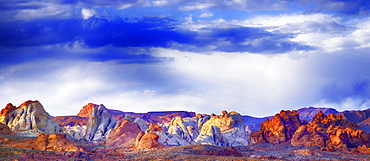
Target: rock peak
[(86, 110)]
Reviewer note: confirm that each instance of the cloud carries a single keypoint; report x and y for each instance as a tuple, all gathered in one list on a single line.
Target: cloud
[(28, 10), (147, 32), (251, 84), (206, 15), (87, 13)]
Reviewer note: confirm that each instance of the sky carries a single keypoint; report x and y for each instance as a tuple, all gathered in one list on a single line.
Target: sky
[(255, 57)]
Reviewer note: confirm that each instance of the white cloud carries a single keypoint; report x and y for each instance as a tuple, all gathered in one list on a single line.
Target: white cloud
[(87, 13), (197, 6), (45, 11), (206, 15)]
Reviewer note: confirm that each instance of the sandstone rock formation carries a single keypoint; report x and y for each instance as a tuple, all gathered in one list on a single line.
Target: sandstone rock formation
[(6, 130), (147, 141), (52, 142), (278, 129), (331, 132), (186, 128), (361, 118), (225, 129), (100, 124), (124, 135), (166, 138), (86, 110), (142, 123), (29, 119), (73, 126)]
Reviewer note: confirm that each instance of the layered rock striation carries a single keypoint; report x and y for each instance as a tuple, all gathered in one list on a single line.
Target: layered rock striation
[(29, 119), (225, 129), (100, 124)]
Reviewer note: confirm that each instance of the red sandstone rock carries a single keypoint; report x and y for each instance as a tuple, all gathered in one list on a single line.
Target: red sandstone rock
[(7, 109), (278, 129), (154, 127), (124, 135), (86, 110), (6, 130), (331, 132), (148, 141), (52, 142)]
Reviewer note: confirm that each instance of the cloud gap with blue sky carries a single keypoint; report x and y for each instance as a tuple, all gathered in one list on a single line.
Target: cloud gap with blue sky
[(254, 57)]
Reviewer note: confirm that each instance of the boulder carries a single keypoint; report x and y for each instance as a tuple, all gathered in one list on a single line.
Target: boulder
[(147, 141), (100, 124), (124, 135), (52, 142), (29, 119)]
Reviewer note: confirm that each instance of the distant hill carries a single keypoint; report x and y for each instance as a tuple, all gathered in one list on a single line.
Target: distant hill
[(307, 113)]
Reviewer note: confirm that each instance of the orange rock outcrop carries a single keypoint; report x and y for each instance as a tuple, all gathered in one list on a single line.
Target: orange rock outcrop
[(52, 142), (331, 132), (147, 141), (278, 129), (124, 135), (86, 110)]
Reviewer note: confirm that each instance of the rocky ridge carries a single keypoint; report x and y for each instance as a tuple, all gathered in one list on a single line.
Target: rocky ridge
[(330, 132), (100, 124), (29, 119), (101, 135)]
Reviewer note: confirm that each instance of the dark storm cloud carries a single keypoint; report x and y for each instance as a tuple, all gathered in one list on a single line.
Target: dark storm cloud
[(146, 32)]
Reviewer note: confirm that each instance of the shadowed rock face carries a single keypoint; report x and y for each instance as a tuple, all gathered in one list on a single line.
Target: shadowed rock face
[(278, 129), (6, 130), (99, 125), (29, 119)]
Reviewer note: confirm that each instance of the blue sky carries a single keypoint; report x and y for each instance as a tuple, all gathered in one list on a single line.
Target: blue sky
[(255, 57)]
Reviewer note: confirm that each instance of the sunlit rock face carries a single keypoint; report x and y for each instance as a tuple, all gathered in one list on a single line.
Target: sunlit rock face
[(331, 132), (225, 129), (29, 119), (124, 135), (278, 129), (147, 141), (52, 142), (100, 124), (86, 110)]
